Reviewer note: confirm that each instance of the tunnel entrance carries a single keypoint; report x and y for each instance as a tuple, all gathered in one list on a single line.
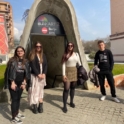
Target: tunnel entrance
[(49, 31), (53, 22)]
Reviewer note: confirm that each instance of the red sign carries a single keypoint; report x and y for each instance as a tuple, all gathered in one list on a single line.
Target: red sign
[(44, 30)]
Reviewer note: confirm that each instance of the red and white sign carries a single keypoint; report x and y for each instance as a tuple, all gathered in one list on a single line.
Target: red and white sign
[(44, 30)]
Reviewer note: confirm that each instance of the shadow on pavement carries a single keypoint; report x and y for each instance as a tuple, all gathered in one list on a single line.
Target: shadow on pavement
[(5, 108), (50, 98), (24, 105), (5, 111), (81, 93), (120, 88)]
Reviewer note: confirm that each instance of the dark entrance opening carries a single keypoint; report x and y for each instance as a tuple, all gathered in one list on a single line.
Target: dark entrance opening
[(49, 31)]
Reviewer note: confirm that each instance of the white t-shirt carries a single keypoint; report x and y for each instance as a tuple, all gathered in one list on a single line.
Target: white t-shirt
[(71, 62)]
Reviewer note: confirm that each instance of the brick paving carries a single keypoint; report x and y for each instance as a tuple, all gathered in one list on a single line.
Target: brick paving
[(89, 110)]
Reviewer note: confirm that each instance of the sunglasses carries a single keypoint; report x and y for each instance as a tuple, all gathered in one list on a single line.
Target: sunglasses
[(20, 51), (38, 46), (70, 45)]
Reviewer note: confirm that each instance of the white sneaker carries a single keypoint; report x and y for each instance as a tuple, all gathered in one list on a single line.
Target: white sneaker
[(116, 99), (20, 116), (103, 98), (16, 120)]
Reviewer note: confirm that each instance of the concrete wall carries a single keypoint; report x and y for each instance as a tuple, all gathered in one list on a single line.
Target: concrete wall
[(117, 16), (54, 46), (117, 29), (117, 47)]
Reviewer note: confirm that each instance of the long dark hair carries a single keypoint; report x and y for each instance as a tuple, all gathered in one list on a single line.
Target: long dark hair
[(65, 57), (33, 52), (16, 58)]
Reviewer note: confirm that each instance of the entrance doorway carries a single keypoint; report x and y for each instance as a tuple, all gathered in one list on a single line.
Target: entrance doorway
[(48, 30), (53, 47)]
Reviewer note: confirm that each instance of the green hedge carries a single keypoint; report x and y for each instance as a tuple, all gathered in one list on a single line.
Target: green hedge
[(92, 55), (118, 68), (2, 70)]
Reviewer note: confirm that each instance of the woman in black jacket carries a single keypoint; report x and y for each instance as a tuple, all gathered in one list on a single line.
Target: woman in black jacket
[(38, 64), (17, 75)]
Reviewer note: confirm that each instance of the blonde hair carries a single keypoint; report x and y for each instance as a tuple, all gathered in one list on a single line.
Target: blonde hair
[(33, 53)]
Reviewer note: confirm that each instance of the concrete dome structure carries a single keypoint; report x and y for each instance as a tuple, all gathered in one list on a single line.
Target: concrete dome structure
[(54, 45)]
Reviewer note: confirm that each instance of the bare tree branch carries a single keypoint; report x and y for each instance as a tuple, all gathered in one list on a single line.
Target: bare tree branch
[(25, 15)]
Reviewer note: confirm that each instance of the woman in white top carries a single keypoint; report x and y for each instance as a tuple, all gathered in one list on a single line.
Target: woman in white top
[(69, 71)]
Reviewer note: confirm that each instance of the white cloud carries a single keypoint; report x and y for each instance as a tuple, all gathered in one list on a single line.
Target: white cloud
[(18, 29), (16, 32)]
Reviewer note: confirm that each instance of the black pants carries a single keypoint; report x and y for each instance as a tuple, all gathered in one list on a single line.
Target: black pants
[(110, 79), (15, 101)]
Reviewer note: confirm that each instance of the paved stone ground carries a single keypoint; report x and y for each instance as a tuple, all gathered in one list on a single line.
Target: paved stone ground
[(89, 110)]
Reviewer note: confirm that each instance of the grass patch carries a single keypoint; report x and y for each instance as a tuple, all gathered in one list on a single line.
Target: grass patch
[(2, 70), (118, 68)]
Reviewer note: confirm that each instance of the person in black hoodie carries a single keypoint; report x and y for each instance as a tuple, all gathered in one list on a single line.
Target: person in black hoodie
[(38, 64), (104, 60), (17, 76)]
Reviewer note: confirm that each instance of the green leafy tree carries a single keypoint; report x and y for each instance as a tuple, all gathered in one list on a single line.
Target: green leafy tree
[(90, 46), (92, 55)]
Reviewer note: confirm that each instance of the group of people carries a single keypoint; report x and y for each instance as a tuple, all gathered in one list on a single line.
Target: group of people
[(30, 73)]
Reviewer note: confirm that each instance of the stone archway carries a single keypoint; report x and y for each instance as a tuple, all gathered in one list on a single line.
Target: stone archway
[(64, 11)]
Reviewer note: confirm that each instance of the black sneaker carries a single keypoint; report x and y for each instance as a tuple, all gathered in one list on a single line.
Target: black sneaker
[(20, 116), (16, 120), (72, 105)]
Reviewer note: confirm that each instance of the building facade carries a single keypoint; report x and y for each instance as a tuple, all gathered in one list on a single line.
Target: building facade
[(117, 29), (6, 28)]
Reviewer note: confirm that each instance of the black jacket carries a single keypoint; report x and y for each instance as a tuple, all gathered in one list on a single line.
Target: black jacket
[(93, 75), (10, 73), (35, 66), (82, 75)]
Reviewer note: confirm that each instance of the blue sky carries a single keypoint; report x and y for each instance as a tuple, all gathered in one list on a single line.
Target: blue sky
[(93, 17)]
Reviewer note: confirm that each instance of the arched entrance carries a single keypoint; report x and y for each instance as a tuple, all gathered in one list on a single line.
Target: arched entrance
[(48, 29), (64, 11)]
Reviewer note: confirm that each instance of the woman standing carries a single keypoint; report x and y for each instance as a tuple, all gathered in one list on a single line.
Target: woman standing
[(69, 61), (17, 76), (38, 64)]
